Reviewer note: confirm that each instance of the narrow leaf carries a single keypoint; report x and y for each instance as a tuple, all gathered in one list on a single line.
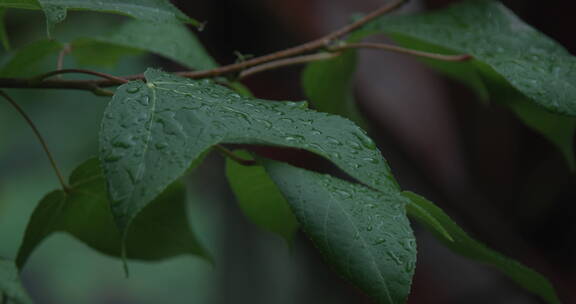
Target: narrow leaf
[(23, 4), (507, 53), (10, 285), (153, 131), (259, 198), (460, 242), (26, 60), (85, 213), (363, 233), (173, 41)]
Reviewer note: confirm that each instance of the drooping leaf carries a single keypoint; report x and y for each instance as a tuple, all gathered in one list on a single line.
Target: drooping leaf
[(173, 41), (156, 11), (507, 52), (10, 285), (152, 131), (25, 61), (364, 233), (161, 231), (259, 198), (328, 84), (460, 242)]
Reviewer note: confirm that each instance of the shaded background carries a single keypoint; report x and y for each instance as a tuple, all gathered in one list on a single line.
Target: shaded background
[(501, 181)]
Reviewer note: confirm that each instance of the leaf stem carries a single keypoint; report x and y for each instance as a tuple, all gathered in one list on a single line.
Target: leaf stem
[(65, 50), (286, 62), (80, 71), (398, 49), (40, 138), (234, 157)]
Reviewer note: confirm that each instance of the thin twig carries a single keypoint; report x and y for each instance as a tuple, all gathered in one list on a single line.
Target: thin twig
[(286, 62), (398, 49), (40, 138), (94, 85), (80, 71), (234, 157)]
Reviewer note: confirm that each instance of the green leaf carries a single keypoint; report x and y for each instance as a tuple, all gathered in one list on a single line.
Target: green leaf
[(85, 213), (153, 131), (90, 52), (22, 4), (507, 53), (173, 41), (460, 242), (26, 60), (156, 11), (363, 233), (3, 35), (259, 198), (10, 285), (328, 84)]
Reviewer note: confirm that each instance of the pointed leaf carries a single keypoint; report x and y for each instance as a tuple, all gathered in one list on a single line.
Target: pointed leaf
[(259, 198), (152, 132), (10, 285), (460, 242), (85, 213), (173, 41), (363, 233), (328, 84), (507, 52), (26, 60), (3, 35)]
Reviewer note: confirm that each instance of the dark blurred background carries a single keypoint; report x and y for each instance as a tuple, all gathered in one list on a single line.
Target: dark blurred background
[(504, 183)]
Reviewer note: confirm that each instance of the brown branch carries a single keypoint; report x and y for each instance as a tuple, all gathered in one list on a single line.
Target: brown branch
[(65, 50), (96, 85), (234, 157), (286, 62), (398, 49), (80, 71), (40, 138)]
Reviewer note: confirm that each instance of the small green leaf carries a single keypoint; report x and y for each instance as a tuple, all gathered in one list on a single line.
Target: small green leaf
[(10, 285), (156, 11), (153, 131), (363, 233), (460, 242), (90, 52), (328, 84), (173, 41), (507, 53), (22, 4), (259, 198), (3, 35), (26, 60), (85, 213)]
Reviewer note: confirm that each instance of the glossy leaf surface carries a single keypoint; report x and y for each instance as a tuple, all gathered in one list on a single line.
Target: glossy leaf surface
[(259, 198), (161, 231), (363, 233), (460, 242), (153, 131), (170, 40)]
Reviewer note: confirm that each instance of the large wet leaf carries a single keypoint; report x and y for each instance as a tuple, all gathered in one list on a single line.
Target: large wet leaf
[(173, 41), (460, 242), (363, 233), (25, 61), (507, 53), (152, 132), (161, 231), (259, 198), (10, 285)]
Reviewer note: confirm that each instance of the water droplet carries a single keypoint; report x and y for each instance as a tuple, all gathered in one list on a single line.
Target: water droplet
[(145, 100), (287, 120), (355, 145), (379, 241), (266, 123), (333, 140), (369, 228), (343, 194), (315, 132), (133, 90), (365, 140), (372, 160), (294, 138)]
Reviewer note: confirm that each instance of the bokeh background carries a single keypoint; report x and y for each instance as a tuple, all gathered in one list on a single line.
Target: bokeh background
[(501, 181)]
